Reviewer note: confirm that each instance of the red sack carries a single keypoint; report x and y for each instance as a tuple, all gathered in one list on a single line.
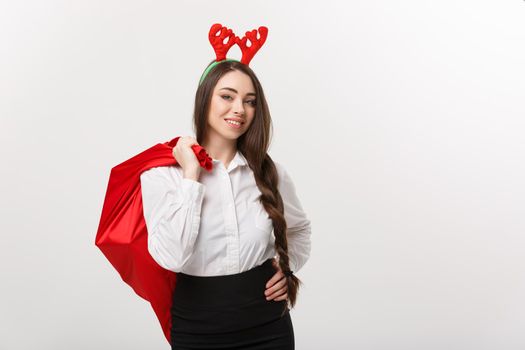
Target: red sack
[(122, 235)]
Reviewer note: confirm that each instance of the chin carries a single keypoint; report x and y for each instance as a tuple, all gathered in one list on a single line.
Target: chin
[(232, 136)]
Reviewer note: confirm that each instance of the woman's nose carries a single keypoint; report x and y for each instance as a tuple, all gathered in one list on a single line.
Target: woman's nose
[(238, 106)]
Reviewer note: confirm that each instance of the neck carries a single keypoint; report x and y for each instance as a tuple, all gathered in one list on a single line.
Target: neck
[(220, 148)]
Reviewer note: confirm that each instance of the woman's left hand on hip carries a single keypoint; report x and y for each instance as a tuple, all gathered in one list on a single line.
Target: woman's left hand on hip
[(277, 286)]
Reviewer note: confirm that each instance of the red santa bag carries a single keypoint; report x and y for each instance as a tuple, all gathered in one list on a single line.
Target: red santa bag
[(122, 235)]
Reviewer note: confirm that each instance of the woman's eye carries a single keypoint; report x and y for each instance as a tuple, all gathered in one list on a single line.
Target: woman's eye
[(228, 97)]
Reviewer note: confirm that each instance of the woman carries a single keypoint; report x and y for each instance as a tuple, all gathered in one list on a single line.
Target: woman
[(234, 235)]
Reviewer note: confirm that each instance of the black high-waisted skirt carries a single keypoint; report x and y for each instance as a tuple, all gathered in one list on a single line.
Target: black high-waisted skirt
[(229, 312)]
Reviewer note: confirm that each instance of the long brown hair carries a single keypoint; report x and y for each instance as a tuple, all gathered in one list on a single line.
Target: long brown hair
[(253, 144)]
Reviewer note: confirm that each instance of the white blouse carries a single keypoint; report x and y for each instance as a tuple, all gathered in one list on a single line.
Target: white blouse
[(217, 226)]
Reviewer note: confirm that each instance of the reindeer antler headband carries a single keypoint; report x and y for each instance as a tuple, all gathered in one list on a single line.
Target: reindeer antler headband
[(221, 48)]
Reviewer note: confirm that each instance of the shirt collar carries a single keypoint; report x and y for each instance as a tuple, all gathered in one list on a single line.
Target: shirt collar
[(238, 159)]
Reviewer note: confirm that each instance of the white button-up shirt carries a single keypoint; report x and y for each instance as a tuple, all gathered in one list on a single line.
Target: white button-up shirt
[(217, 226)]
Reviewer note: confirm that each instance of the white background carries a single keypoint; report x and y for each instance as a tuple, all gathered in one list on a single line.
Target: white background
[(401, 123)]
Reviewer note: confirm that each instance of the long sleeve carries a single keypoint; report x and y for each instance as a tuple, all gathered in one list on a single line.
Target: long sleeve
[(298, 225), (172, 209)]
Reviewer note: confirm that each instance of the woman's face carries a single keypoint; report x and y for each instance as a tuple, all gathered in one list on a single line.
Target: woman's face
[(233, 99)]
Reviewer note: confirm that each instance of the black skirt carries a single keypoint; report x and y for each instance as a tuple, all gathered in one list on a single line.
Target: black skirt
[(229, 312)]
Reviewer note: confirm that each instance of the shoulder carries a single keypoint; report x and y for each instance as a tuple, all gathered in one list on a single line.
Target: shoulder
[(280, 168), (169, 173), (283, 174)]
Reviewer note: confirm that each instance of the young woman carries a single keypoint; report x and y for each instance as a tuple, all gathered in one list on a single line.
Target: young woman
[(234, 235)]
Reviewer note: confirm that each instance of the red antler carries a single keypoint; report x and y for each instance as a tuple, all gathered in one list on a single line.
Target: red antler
[(255, 44), (218, 41)]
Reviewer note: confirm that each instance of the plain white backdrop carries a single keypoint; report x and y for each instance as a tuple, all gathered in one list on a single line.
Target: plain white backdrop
[(402, 124)]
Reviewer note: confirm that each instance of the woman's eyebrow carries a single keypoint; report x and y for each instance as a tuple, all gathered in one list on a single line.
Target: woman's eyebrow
[(232, 89)]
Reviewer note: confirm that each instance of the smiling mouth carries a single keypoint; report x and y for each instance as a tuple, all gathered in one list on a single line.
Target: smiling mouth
[(233, 124)]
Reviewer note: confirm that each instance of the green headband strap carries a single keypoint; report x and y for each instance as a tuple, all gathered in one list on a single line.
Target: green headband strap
[(210, 67)]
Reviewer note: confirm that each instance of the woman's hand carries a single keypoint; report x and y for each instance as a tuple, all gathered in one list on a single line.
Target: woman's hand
[(277, 286), (187, 159)]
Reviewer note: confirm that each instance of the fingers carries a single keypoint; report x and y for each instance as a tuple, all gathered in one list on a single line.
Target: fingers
[(277, 286), (280, 288), (186, 157), (282, 297), (278, 275), (187, 141), (281, 294), (183, 143)]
